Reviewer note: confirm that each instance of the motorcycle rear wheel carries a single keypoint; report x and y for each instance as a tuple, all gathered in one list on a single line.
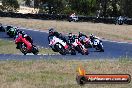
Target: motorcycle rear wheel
[(100, 48), (73, 52)]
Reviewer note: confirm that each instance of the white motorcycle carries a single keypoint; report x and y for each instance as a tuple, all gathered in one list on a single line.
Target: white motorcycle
[(120, 20), (74, 19), (97, 44), (60, 46)]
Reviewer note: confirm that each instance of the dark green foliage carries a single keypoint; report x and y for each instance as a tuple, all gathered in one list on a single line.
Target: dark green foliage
[(127, 7), (83, 7), (27, 3), (51, 6), (10, 5)]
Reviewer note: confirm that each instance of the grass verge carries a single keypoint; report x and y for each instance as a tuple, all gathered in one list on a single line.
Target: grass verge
[(58, 73), (9, 47)]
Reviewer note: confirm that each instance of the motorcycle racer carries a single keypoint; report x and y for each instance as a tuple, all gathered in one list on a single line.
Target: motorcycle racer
[(96, 43), (92, 37), (11, 31), (73, 41), (25, 45), (52, 32), (71, 38), (81, 34), (73, 17), (24, 35), (84, 39)]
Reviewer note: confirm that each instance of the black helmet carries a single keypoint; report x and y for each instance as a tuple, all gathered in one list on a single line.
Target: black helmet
[(70, 35), (51, 30), (80, 33), (92, 36)]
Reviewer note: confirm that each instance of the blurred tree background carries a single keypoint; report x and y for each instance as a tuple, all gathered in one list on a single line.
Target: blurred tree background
[(103, 8), (9, 5)]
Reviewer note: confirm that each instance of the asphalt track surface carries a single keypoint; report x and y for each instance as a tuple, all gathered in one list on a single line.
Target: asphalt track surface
[(113, 50)]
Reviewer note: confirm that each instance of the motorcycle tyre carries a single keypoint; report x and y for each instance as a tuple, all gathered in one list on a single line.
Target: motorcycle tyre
[(35, 50), (22, 50), (80, 50), (60, 50), (73, 52)]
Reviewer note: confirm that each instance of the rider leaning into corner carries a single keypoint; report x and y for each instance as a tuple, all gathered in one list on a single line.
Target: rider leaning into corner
[(81, 35), (71, 38), (92, 37), (24, 35), (52, 32)]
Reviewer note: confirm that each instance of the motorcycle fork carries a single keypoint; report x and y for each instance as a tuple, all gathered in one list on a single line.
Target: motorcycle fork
[(66, 46)]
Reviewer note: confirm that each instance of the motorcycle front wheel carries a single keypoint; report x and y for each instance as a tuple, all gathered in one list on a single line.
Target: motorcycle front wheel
[(79, 48), (23, 48), (73, 52), (35, 50), (60, 48)]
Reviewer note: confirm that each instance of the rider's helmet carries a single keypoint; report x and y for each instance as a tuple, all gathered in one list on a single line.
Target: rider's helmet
[(51, 31), (91, 36), (70, 35), (80, 33)]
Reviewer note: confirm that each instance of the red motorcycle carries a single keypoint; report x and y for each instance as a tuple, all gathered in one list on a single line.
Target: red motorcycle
[(79, 47), (25, 45), (85, 41)]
